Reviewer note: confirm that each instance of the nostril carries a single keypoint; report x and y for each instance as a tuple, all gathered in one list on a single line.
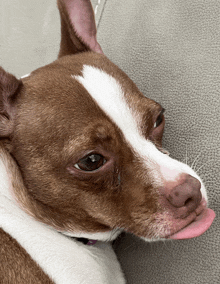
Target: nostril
[(189, 200), (191, 204), (187, 194)]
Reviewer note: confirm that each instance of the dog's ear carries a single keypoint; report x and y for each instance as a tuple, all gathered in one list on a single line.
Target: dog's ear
[(78, 28), (9, 86)]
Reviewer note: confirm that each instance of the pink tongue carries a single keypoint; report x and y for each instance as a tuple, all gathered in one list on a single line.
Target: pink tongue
[(197, 227)]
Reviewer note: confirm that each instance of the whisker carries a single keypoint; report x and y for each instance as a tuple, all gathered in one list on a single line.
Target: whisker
[(195, 160), (207, 163), (186, 159), (200, 168)]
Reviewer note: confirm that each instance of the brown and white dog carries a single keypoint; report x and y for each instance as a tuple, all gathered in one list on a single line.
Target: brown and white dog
[(81, 157)]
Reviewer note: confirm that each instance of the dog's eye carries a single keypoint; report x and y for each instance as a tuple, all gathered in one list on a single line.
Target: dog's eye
[(160, 119), (90, 162)]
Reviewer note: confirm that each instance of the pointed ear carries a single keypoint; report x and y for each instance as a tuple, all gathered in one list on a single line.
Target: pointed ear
[(78, 28), (9, 86)]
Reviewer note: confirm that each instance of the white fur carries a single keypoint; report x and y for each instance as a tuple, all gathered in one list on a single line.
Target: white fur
[(109, 95), (62, 258)]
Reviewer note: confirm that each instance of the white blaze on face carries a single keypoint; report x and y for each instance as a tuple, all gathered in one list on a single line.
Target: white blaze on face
[(109, 95)]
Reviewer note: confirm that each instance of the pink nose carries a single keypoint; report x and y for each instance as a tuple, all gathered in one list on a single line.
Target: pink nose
[(185, 195)]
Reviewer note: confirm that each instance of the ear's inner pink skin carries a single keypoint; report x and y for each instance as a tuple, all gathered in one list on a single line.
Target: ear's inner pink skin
[(83, 21)]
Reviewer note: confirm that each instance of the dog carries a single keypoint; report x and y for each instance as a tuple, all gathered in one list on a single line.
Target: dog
[(82, 161)]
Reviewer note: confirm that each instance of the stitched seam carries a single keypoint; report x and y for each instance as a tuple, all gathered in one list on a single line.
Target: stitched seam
[(101, 13), (97, 5)]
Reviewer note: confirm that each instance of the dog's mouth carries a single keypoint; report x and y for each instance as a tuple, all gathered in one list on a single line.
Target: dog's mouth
[(195, 225)]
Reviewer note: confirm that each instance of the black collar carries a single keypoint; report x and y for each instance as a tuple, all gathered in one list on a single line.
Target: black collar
[(86, 241)]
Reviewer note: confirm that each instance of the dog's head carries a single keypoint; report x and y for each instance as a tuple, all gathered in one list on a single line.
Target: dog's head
[(89, 145)]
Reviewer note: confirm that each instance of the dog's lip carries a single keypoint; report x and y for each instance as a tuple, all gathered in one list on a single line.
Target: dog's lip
[(197, 223)]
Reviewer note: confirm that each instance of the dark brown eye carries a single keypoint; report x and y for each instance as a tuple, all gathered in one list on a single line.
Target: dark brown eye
[(159, 119), (90, 162)]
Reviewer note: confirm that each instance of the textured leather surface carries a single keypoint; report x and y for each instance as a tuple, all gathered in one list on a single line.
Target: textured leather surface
[(29, 34), (171, 49)]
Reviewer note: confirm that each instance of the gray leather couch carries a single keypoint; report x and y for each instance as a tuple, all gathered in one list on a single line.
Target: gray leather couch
[(171, 49)]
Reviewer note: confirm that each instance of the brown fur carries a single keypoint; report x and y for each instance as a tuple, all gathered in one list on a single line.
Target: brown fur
[(16, 265)]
